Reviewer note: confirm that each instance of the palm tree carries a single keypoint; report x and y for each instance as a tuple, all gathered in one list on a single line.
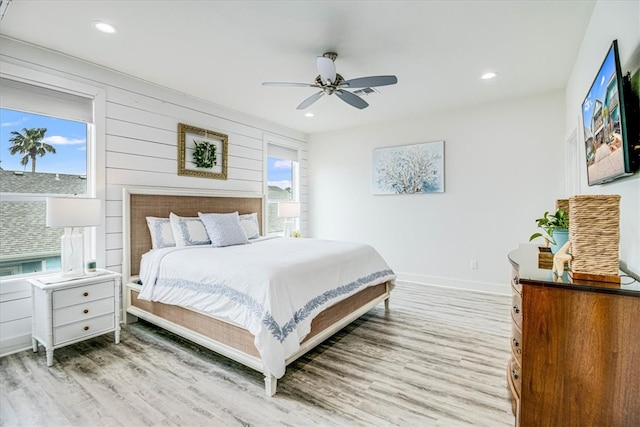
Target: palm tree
[(30, 144)]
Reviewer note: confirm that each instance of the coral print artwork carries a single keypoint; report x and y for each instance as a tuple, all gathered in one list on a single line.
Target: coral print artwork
[(409, 169)]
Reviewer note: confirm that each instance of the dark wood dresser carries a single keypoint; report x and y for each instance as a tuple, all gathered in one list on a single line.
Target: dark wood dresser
[(575, 348)]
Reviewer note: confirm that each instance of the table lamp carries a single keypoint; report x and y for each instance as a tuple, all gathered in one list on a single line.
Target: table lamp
[(288, 211), (73, 213)]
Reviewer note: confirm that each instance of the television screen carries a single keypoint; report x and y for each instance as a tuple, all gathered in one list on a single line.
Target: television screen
[(604, 123)]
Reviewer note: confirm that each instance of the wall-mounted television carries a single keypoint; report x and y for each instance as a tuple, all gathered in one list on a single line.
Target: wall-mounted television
[(610, 121)]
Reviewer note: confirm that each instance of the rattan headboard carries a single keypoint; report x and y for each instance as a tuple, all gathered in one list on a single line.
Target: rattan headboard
[(138, 205)]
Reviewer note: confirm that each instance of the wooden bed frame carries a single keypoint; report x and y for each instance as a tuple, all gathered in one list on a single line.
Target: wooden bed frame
[(220, 335)]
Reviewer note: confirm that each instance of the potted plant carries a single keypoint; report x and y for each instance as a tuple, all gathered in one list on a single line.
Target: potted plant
[(555, 228)]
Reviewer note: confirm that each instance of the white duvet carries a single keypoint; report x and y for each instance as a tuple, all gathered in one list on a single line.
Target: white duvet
[(272, 287)]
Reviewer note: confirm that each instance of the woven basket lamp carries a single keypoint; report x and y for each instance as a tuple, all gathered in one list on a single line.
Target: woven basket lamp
[(563, 204), (594, 232)]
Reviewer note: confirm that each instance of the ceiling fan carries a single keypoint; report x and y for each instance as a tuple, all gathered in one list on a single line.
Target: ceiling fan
[(330, 82)]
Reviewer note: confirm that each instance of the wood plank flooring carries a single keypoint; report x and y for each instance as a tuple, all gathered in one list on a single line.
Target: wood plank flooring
[(436, 358)]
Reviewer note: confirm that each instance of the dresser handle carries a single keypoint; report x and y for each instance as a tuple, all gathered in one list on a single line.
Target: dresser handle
[(86, 328), (515, 342), (86, 294), (516, 309), (85, 311), (514, 374)]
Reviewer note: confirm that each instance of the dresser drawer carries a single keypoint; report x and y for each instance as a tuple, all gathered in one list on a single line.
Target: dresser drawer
[(515, 281), (83, 328), (516, 342), (515, 377), (86, 310), (516, 309), (80, 294), (513, 394)]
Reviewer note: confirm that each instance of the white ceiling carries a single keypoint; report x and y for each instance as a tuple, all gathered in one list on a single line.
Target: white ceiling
[(222, 51)]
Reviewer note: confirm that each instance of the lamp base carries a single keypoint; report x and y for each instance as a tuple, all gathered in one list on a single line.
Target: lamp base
[(72, 253), (288, 227)]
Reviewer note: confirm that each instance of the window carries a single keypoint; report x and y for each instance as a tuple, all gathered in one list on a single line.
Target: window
[(283, 184), (46, 139)]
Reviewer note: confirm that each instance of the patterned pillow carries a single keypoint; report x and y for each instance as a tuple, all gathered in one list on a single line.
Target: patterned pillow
[(249, 223), (224, 229), (161, 234), (188, 231)]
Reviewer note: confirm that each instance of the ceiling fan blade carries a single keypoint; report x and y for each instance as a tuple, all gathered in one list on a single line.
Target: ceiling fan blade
[(326, 69), (372, 81), (352, 99), (284, 84), (310, 100)]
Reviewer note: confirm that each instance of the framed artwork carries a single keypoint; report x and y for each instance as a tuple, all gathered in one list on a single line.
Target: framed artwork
[(202, 152), (409, 169)]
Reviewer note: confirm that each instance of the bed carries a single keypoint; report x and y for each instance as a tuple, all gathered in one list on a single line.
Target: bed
[(227, 335)]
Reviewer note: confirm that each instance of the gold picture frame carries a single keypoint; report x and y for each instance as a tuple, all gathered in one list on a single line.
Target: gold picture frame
[(201, 152)]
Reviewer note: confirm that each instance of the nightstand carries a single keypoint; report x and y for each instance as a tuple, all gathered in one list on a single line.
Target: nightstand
[(70, 310)]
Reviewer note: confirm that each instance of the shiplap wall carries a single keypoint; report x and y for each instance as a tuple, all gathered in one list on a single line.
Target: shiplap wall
[(143, 152), (140, 149)]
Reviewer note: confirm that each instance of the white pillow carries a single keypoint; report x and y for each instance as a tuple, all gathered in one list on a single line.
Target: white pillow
[(249, 223), (188, 231), (161, 234), (224, 229)]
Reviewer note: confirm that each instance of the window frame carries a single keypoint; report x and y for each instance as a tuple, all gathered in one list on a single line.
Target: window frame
[(95, 172), (295, 172)]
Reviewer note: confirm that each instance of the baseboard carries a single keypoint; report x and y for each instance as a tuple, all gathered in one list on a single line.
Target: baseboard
[(15, 345), (446, 282)]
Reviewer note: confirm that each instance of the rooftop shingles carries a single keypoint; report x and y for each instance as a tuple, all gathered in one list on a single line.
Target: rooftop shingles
[(22, 224), (47, 183)]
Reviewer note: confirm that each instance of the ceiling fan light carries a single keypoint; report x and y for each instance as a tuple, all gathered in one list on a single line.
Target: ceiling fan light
[(309, 114), (326, 69)]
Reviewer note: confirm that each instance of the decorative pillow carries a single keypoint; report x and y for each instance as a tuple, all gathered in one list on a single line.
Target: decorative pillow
[(161, 234), (224, 229), (249, 223), (188, 231)]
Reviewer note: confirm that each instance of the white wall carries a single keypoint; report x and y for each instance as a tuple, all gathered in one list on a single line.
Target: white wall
[(504, 166), (611, 20), (141, 150)]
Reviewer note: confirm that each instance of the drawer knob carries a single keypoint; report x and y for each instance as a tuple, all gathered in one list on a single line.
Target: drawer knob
[(516, 309), (515, 342), (514, 374), (86, 328), (85, 311), (516, 280), (86, 294)]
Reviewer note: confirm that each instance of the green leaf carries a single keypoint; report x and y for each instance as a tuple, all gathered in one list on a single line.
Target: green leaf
[(535, 236)]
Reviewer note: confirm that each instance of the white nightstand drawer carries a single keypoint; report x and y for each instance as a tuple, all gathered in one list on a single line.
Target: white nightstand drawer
[(66, 311), (82, 329), (80, 294), (87, 310)]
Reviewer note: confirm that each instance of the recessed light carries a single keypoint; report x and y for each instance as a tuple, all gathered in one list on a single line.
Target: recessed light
[(489, 75), (308, 114), (104, 27)]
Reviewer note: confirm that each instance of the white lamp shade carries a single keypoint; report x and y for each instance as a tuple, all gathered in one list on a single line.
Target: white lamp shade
[(73, 212), (288, 209)]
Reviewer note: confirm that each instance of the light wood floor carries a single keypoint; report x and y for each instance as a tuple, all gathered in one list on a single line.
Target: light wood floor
[(436, 358)]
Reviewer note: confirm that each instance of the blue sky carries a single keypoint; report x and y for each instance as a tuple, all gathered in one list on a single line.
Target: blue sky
[(599, 88), (67, 137), (279, 172), (69, 140)]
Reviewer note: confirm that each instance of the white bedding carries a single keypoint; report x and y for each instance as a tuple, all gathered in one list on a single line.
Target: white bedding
[(272, 287)]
